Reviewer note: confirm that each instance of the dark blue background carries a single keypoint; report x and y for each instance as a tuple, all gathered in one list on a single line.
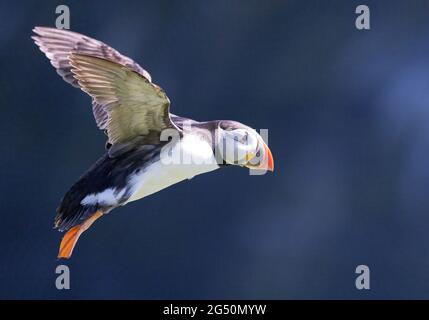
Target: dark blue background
[(347, 113)]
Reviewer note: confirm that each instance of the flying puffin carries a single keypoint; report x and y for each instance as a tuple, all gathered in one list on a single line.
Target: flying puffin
[(148, 148)]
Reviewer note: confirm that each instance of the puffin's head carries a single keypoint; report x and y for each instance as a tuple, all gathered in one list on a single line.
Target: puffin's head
[(243, 146)]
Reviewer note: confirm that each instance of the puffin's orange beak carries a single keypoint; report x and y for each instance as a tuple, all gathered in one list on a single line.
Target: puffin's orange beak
[(268, 162)]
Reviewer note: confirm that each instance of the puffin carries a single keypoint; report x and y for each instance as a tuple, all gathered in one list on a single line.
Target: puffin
[(148, 148)]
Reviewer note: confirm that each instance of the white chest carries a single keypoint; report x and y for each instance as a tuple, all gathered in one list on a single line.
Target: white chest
[(192, 157)]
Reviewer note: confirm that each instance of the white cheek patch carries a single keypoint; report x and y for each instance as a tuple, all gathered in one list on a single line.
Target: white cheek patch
[(252, 142), (236, 151), (108, 197)]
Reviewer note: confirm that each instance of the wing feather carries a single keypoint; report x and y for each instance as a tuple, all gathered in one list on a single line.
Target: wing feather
[(134, 105), (57, 45), (125, 102)]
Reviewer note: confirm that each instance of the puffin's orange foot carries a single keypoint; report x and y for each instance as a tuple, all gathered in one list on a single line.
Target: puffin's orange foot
[(70, 238)]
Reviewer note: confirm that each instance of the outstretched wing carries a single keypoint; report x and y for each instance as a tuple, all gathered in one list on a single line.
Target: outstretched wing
[(113, 81), (58, 44), (134, 105)]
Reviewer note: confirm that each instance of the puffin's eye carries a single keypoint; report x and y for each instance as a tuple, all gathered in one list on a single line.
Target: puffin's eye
[(258, 154), (244, 140)]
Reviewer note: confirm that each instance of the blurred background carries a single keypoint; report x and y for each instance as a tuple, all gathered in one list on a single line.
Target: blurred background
[(347, 113)]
